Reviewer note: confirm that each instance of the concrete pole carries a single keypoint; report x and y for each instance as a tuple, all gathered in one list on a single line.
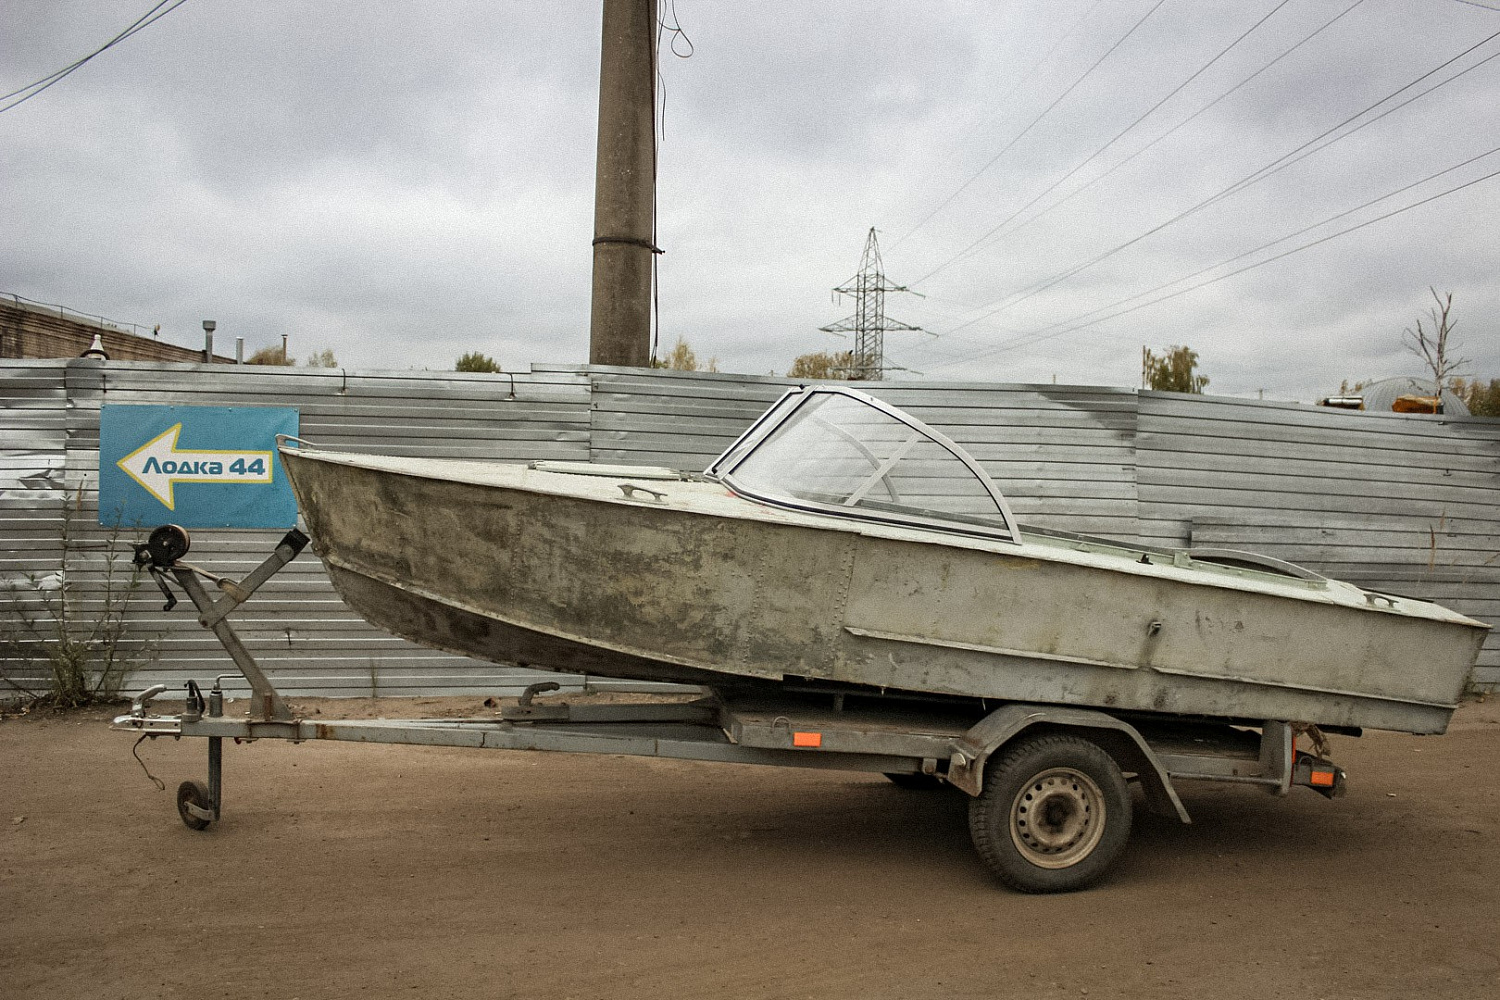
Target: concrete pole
[(624, 186)]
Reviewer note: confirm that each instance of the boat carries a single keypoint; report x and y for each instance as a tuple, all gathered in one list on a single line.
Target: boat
[(843, 545)]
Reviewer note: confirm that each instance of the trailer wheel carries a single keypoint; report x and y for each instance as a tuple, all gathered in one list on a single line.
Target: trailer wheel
[(1053, 816), (195, 792), (914, 782)]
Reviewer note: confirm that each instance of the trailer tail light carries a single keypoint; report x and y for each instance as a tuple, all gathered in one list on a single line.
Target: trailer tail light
[(807, 739), (1321, 775)]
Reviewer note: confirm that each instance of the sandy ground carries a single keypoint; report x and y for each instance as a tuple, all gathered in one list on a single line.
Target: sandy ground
[(374, 871)]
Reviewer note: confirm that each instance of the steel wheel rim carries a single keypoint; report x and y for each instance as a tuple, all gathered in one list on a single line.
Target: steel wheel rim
[(1057, 818)]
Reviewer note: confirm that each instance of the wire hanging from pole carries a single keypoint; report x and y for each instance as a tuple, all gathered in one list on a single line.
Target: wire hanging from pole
[(658, 136)]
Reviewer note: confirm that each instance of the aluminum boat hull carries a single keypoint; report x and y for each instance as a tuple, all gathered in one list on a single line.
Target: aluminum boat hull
[(683, 581)]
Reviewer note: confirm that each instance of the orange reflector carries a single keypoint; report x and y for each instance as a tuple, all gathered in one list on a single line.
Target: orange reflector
[(1322, 778), (807, 739)]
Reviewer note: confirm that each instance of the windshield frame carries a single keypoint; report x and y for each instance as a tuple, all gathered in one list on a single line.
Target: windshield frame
[(784, 409)]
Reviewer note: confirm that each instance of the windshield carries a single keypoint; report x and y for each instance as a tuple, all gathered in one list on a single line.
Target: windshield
[(844, 452)]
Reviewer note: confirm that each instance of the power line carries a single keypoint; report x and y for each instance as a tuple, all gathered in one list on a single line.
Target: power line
[(1266, 246), (1303, 152), (1111, 312), (1046, 111), (1254, 177), (1001, 102), (1186, 121), (1288, 253), (1096, 153), (147, 19)]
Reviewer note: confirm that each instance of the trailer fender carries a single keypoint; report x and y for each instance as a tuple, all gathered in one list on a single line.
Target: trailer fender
[(1118, 738)]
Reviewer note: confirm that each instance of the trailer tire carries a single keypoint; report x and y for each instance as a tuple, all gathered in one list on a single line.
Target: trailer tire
[(1054, 813), (195, 792), (914, 782)]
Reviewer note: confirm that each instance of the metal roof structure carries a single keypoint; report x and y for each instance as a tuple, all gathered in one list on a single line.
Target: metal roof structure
[(1381, 396)]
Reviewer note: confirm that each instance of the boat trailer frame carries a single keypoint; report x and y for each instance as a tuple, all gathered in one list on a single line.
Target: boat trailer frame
[(829, 729)]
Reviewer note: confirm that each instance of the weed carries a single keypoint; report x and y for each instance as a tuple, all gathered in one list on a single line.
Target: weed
[(65, 644)]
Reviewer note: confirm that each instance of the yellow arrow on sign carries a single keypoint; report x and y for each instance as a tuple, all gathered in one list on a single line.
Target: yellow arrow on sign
[(159, 465)]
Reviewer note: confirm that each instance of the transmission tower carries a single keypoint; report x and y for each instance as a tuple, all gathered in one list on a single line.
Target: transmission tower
[(869, 321)]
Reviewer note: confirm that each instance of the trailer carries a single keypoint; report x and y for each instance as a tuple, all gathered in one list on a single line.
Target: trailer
[(1050, 804)]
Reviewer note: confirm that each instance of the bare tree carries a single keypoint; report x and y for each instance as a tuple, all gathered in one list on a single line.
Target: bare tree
[(1432, 345)]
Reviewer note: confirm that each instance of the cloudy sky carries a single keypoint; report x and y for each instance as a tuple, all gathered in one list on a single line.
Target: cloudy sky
[(404, 182)]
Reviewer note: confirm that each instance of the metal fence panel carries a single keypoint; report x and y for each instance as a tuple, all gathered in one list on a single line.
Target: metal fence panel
[(306, 638), (33, 432), (1063, 455), (1402, 503)]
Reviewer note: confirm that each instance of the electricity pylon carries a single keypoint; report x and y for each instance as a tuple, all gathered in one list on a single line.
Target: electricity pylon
[(869, 321)]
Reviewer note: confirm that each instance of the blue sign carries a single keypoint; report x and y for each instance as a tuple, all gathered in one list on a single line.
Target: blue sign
[(197, 466)]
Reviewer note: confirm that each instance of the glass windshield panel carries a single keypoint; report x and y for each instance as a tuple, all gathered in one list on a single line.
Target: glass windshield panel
[(840, 452), (758, 430)]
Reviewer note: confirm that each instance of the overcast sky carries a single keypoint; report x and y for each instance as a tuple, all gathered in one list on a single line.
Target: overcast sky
[(404, 182)]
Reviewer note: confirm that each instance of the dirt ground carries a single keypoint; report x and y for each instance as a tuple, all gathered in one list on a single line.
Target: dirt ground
[(344, 870)]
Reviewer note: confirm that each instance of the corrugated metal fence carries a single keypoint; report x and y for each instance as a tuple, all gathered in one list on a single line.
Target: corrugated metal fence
[(1403, 503)]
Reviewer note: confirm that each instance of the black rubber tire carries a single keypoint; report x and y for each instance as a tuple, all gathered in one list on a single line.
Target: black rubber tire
[(195, 792), (1077, 787), (915, 782)]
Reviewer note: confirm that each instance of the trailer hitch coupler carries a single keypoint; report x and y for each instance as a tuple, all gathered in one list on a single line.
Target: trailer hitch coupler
[(142, 701)]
